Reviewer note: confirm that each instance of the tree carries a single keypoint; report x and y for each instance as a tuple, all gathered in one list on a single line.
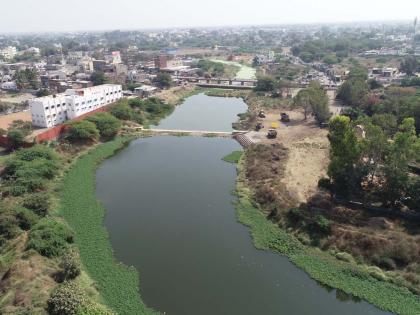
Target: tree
[(401, 151), (38, 203), (98, 78), (70, 266), (106, 123), (66, 299), (122, 111), (16, 139), (409, 65), (42, 92), (330, 59), (344, 154), (27, 79), (163, 80), (265, 84), (302, 100), (82, 130), (313, 99), (50, 238), (353, 91)]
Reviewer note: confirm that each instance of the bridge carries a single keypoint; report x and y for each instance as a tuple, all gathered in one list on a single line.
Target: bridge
[(226, 83), (191, 132), (239, 135)]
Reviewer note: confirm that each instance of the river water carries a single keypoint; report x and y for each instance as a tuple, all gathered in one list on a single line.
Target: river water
[(170, 213)]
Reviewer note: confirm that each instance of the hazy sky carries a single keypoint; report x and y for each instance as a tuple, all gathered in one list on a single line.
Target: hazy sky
[(56, 15)]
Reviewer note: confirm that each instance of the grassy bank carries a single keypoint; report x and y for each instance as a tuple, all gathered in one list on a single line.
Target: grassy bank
[(118, 284), (358, 280), (233, 157)]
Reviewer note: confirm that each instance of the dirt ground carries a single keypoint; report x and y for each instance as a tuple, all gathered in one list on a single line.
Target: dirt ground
[(15, 98), (6, 120), (173, 95), (308, 151)]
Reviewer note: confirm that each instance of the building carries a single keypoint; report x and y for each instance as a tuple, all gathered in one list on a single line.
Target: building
[(8, 53), (113, 58), (49, 111), (99, 65), (145, 91), (161, 62)]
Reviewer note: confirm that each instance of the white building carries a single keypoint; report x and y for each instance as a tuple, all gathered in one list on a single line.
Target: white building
[(49, 111), (8, 53)]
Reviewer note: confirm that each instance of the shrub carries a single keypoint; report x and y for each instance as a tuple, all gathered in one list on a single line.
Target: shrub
[(50, 238), (70, 266), (26, 171), (16, 190), (26, 218), (122, 111), (107, 124), (9, 226), (37, 152), (295, 215), (91, 308), (38, 203), (66, 299), (344, 257), (325, 183), (82, 130), (321, 225), (16, 139)]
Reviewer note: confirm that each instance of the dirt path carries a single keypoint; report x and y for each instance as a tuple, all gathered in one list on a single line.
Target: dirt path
[(308, 151)]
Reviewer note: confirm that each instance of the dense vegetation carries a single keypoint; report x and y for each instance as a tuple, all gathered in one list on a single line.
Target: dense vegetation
[(31, 232), (210, 68), (333, 268), (118, 284), (145, 112)]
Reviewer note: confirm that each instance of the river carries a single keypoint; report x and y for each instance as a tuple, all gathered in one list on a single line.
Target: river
[(170, 213)]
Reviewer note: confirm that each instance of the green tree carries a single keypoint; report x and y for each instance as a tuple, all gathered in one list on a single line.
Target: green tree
[(122, 111), (98, 78), (81, 130), (402, 150), (16, 139), (66, 299), (344, 155), (409, 65), (70, 265), (39, 203), (50, 238), (106, 123), (265, 84), (313, 99), (353, 91), (42, 92), (303, 100), (27, 79), (163, 80), (330, 59)]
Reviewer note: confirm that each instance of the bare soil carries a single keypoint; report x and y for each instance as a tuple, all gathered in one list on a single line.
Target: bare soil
[(308, 151), (6, 120)]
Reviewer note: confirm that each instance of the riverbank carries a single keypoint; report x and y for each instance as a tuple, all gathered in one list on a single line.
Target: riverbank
[(117, 284), (358, 280)]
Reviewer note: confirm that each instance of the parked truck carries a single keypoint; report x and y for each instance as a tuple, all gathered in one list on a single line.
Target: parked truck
[(272, 134)]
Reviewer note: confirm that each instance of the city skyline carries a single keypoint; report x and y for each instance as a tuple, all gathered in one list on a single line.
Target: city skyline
[(96, 15)]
